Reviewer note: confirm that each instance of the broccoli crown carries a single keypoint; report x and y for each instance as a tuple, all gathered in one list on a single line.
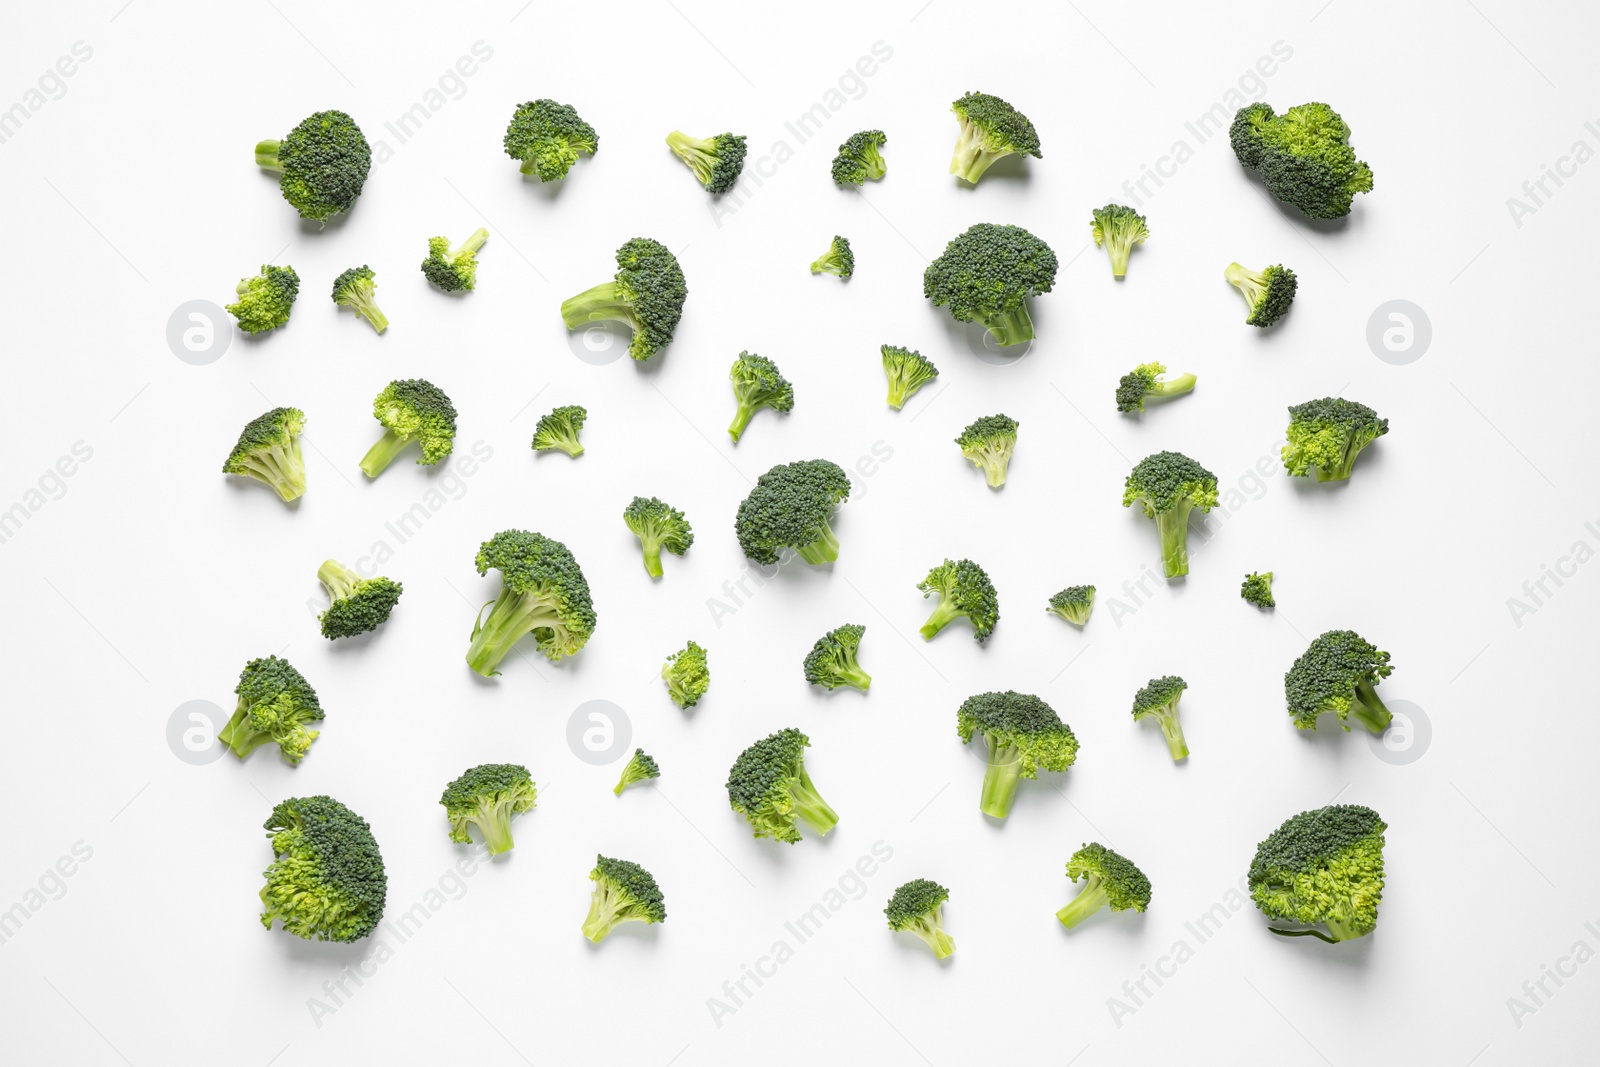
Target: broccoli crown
[(414, 409), (638, 769), (913, 902), (1143, 383), (356, 289), (544, 592), (838, 259), (769, 786), (991, 129), (687, 675), (1123, 883), (716, 161), (757, 384), (1022, 725), (623, 892), (658, 525), (1322, 866), (359, 604), (275, 703), (1164, 481), (560, 429), (987, 273), (1337, 673), (647, 295), (1327, 435), (327, 879), (1257, 589), (265, 301), (1118, 229), (1303, 156), (1161, 694), (1267, 292), (454, 269), (268, 450), (964, 589), (322, 163), (907, 371), (1073, 603), (831, 662), (546, 137), (988, 443), (859, 158), (789, 508), (487, 796)]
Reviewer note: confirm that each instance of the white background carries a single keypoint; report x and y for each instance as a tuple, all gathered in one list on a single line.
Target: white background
[(146, 578)]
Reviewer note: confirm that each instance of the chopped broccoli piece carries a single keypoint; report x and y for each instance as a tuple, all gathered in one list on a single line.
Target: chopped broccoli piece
[(646, 295), (964, 590), (1108, 879), (268, 450), (356, 290), (687, 675), (757, 384), (1159, 700), (1074, 603), (327, 879), (454, 269), (560, 429), (411, 409), (623, 892), (789, 508), (839, 259), (907, 371), (359, 604), (487, 796), (1267, 292), (322, 164), (1257, 590), (1339, 672), (275, 703), (987, 274), (716, 161), (1303, 156), (988, 443), (658, 525), (1118, 229), (991, 129), (915, 907), (546, 137), (1328, 435), (1022, 734), (832, 660), (543, 593), (640, 768), (1323, 866), (265, 301), (1143, 384), (859, 159), (769, 786), (1168, 485)]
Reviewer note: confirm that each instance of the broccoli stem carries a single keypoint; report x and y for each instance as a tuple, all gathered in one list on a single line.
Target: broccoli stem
[(240, 736), (511, 617), (993, 461), (600, 304), (1000, 779), (855, 676), (282, 468), (339, 580), (267, 155), (927, 928), (367, 307), (1085, 904), (944, 613), (652, 557), (741, 419), (1183, 383), (383, 453), (972, 155), (1173, 526), (810, 806), (1172, 730), (494, 822), (1010, 327), (1342, 467), (1120, 248), (479, 238), (825, 549), (1368, 709), (692, 151), (604, 914)]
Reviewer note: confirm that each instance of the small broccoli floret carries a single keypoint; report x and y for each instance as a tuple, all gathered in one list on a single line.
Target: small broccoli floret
[(411, 409), (454, 269), (546, 137), (1074, 603), (838, 259), (907, 371), (1168, 485), (1159, 700), (757, 384), (487, 796), (1143, 383), (832, 660), (1267, 293), (859, 158), (769, 786), (646, 295), (988, 443), (623, 892), (268, 450), (1118, 229), (359, 604), (543, 593), (991, 129), (1339, 672), (560, 429), (1108, 879), (1022, 734), (640, 768), (915, 906), (687, 675), (1303, 156), (658, 525), (356, 290), (716, 161), (987, 274), (1257, 590), (322, 164), (1327, 435), (1323, 866), (964, 590), (790, 507), (275, 703), (327, 879), (265, 301)]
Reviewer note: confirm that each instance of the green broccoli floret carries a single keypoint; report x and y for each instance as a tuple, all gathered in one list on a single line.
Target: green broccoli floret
[(1074, 603), (1159, 700), (560, 429), (546, 137), (411, 409), (1168, 485), (356, 290), (987, 274), (487, 796), (991, 129), (1022, 734), (646, 295), (359, 604), (1108, 879), (859, 158), (322, 164), (915, 906), (1339, 672), (658, 525), (265, 301), (275, 703), (832, 660), (1323, 866), (1267, 292), (623, 892), (988, 443), (327, 879), (838, 259), (1303, 156), (1143, 384), (1257, 590), (907, 371), (1328, 435), (687, 675), (268, 450), (716, 161), (757, 384), (1118, 229), (769, 786), (543, 593), (790, 507), (454, 269), (640, 768), (964, 590)]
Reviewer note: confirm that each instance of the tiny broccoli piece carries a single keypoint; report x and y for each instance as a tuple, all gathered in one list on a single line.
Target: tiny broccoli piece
[(790, 507), (769, 786), (991, 129), (1022, 734), (1303, 156), (646, 295), (907, 371), (560, 429), (487, 796), (411, 409), (359, 604), (1168, 485), (1339, 672), (543, 593), (356, 290), (275, 703), (658, 525), (716, 161), (757, 384), (1257, 590), (454, 269), (1143, 384), (322, 164), (546, 137), (915, 906), (268, 450), (832, 660), (1074, 603), (1323, 866), (623, 892), (988, 443), (859, 159), (1118, 229), (1267, 292), (640, 768), (964, 590), (987, 274), (687, 675), (265, 301), (327, 879), (839, 259), (1327, 435), (1159, 700), (1108, 879)]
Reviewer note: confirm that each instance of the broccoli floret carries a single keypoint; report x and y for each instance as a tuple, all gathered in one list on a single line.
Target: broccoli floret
[(907, 371), (915, 906), (265, 301), (988, 443), (646, 295), (757, 384), (859, 158), (1339, 672), (716, 161), (327, 879), (1267, 292), (546, 137), (964, 590), (1108, 879), (769, 786), (487, 796), (1328, 435), (359, 604), (454, 269), (987, 274), (411, 409), (1074, 603), (1257, 590), (1159, 700), (623, 892), (356, 290), (1168, 485), (1143, 383), (268, 450), (640, 768), (1023, 734), (543, 593), (1303, 156), (1323, 866), (1118, 229), (832, 660), (275, 703), (322, 164), (687, 675), (790, 507), (839, 259), (991, 129), (658, 525), (560, 429)]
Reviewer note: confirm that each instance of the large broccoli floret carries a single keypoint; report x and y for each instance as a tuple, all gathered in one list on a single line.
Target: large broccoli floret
[(988, 443), (1323, 866), (790, 507), (687, 675), (1303, 156), (560, 429), (915, 906), (757, 384), (268, 450), (838, 260), (547, 138), (769, 786), (832, 660), (1074, 603), (1118, 229), (322, 164), (543, 593), (658, 525), (1339, 672), (356, 290), (1158, 700), (275, 703), (1168, 485), (1144, 383), (327, 879), (1022, 734), (646, 295), (991, 129), (623, 892), (964, 590), (359, 604), (987, 274), (1108, 880), (265, 302), (1267, 292), (411, 409), (1257, 590), (1327, 435), (907, 371), (859, 158), (487, 796), (716, 161), (639, 769), (454, 269)]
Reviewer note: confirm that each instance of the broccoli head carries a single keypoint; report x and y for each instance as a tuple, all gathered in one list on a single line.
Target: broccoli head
[(1144, 383), (832, 660), (964, 590), (915, 906), (623, 892), (356, 290), (658, 525), (454, 269), (757, 384), (1328, 435), (1339, 672), (1022, 734), (987, 274), (321, 165), (716, 161), (1323, 866), (687, 675), (275, 703), (988, 443), (1257, 590), (991, 129), (1074, 603), (560, 429), (1303, 156), (268, 450), (1168, 485), (790, 507), (640, 768), (327, 879), (1267, 292), (859, 158), (487, 796), (1108, 879), (546, 137), (769, 786), (1118, 229), (359, 604), (1158, 700), (265, 301), (646, 295), (907, 371), (838, 260), (543, 593), (411, 409)]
